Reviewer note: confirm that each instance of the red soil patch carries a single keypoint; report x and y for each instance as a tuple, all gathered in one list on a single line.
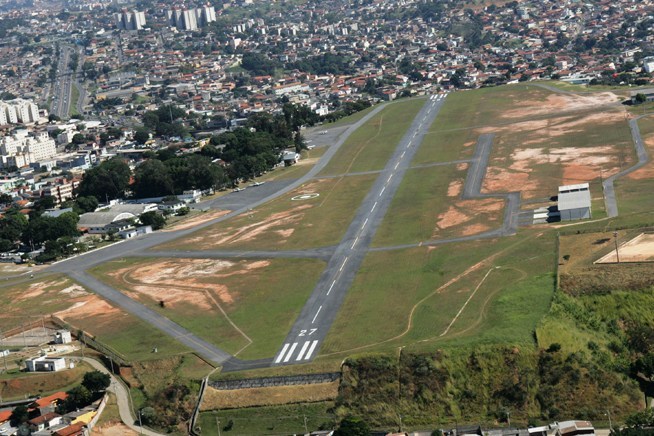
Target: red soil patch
[(91, 306), (200, 219), (454, 189), (474, 229), (559, 102), (499, 180), (646, 172), (467, 210)]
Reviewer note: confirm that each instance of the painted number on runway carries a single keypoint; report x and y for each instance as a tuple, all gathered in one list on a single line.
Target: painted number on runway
[(307, 332)]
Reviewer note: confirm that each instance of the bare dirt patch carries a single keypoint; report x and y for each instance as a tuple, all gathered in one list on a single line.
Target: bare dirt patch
[(501, 180), (200, 219), (39, 288), (454, 188), (639, 249), (91, 306), (465, 211), (249, 232), (113, 429), (561, 102)]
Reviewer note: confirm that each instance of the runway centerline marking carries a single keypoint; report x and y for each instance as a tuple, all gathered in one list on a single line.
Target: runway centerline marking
[(354, 243), (316, 315), (330, 288), (364, 224), (373, 207), (343, 264), (382, 191)]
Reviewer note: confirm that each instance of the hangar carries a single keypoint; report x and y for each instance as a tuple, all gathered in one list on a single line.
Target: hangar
[(574, 202)]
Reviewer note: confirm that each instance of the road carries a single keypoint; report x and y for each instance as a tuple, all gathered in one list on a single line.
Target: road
[(61, 99), (643, 157), (122, 398), (318, 314)]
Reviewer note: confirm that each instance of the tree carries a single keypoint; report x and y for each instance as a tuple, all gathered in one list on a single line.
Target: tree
[(154, 219), (641, 98), (142, 136), (96, 381), (19, 416), (87, 204), (152, 179), (5, 198), (352, 426), (109, 180), (78, 397)]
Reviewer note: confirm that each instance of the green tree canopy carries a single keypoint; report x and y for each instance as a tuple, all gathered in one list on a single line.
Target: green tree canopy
[(109, 180), (96, 381)]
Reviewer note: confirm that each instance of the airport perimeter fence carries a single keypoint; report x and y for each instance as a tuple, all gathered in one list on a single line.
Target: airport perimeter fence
[(92, 342)]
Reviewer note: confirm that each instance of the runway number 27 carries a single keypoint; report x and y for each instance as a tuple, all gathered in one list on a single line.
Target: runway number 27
[(307, 332)]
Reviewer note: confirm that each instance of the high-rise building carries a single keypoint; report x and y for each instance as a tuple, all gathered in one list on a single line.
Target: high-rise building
[(23, 148), (18, 111), (191, 19), (130, 20)]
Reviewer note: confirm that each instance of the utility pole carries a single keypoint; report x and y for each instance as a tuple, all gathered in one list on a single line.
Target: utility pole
[(218, 425), (306, 430), (140, 423), (617, 254)]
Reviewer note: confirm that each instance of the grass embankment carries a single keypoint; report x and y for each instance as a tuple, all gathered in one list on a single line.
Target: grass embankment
[(370, 146), (74, 97), (289, 419), (244, 305), (287, 224), (24, 385)]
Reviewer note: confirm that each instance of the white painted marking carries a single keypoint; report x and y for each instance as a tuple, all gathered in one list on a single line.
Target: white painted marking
[(373, 206), (364, 223), (316, 316), (290, 352), (343, 264), (284, 348), (354, 243), (310, 352), (389, 178), (382, 191), (330, 288), (396, 165), (302, 350), (402, 155)]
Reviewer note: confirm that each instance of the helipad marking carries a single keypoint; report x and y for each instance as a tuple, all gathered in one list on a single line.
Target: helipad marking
[(305, 196)]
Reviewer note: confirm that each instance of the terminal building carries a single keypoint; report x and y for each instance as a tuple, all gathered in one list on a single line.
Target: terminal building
[(574, 202)]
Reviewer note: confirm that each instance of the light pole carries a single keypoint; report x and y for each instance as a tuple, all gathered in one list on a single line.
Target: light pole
[(140, 423), (617, 253), (608, 413)]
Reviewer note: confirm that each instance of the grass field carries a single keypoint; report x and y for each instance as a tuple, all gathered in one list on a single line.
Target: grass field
[(308, 160), (60, 296), (228, 303), (288, 419), (402, 298), (370, 147), (285, 224)]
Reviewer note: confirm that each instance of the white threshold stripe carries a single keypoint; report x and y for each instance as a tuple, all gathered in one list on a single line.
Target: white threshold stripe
[(310, 352), (302, 350), (290, 352), (316, 315), (281, 354)]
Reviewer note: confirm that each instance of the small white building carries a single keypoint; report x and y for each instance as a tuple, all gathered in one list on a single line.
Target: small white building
[(290, 157), (63, 337), (575, 202), (45, 364)]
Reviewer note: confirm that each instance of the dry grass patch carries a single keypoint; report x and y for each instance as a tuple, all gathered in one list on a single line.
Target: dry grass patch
[(216, 399)]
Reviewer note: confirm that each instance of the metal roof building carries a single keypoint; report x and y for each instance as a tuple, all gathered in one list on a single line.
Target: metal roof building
[(575, 202)]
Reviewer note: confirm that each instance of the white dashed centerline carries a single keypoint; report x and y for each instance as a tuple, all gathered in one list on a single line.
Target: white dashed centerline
[(364, 224), (343, 264), (316, 315), (373, 207), (354, 243), (330, 288), (382, 191)]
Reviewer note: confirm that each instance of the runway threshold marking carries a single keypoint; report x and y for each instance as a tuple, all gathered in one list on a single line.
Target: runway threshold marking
[(310, 352), (316, 315), (281, 354), (302, 350), (290, 352)]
